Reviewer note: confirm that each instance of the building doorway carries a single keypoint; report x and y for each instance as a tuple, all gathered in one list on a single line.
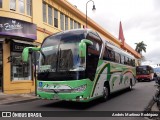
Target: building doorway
[(1, 68)]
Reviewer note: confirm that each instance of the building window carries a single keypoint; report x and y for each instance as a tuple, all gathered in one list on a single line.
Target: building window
[(44, 13), (71, 24), (75, 25), (0, 3), (62, 21), (55, 18), (50, 17), (21, 6), (29, 7), (66, 23), (19, 70), (79, 25), (13, 5)]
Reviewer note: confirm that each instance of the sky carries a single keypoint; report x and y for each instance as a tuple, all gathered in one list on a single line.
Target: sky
[(140, 21)]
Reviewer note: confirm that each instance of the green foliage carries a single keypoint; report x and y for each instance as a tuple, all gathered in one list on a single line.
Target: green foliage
[(140, 47)]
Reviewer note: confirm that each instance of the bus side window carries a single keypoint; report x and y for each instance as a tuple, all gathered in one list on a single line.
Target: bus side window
[(112, 55), (117, 58), (134, 64), (122, 59), (109, 54), (129, 61), (105, 56), (125, 60)]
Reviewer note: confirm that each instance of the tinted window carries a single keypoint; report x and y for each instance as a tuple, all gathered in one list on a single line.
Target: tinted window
[(71, 24), (21, 6), (117, 58), (75, 25), (122, 59), (62, 21), (50, 21), (13, 5), (125, 60), (145, 70), (0, 3), (44, 13), (66, 23), (132, 62), (55, 18), (97, 43), (29, 7), (109, 54), (93, 55), (79, 25)]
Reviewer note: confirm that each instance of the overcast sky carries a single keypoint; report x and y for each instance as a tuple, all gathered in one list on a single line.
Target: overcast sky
[(140, 21)]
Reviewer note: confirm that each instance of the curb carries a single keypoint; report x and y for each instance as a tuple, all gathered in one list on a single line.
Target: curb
[(21, 101), (5, 102)]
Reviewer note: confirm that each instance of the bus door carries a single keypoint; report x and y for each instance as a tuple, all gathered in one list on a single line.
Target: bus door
[(93, 53)]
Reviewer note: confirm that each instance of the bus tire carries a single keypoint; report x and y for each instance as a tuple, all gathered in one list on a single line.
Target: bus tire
[(105, 93)]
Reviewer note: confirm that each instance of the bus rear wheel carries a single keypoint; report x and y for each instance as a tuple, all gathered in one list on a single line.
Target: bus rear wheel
[(105, 93)]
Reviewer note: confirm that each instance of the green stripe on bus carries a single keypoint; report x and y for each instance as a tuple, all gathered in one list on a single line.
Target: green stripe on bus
[(97, 77)]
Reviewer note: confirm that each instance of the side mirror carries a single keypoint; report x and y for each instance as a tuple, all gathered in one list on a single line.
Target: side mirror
[(25, 53), (83, 46)]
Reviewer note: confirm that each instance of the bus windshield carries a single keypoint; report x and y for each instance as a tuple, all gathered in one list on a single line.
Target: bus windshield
[(60, 53), (144, 70)]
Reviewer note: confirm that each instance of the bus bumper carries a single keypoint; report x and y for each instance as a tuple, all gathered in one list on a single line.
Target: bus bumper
[(78, 91)]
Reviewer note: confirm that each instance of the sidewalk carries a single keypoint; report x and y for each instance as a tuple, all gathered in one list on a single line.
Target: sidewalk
[(15, 98)]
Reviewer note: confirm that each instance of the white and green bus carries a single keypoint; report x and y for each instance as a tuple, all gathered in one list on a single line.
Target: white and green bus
[(78, 65)]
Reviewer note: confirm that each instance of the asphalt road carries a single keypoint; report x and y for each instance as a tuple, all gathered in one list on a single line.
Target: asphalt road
[(135, 100)]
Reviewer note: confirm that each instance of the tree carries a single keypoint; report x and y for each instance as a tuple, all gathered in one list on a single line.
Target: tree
[(140, 47)]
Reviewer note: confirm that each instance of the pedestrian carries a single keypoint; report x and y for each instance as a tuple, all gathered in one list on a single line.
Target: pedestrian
[(155, 77)]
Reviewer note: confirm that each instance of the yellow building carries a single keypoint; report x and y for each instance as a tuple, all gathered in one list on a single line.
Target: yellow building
[(26, 23)]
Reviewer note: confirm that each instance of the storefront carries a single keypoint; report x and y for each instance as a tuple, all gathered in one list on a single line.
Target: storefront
[(15, 35), (1, 68)]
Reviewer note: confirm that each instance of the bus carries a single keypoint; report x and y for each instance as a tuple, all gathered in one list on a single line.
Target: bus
[(79, 65), (144, 73)]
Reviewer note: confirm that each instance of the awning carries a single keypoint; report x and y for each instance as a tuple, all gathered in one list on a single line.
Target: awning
[(26, 42)]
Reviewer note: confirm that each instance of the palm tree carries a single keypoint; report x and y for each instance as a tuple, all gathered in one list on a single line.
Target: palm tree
[(140, 47)]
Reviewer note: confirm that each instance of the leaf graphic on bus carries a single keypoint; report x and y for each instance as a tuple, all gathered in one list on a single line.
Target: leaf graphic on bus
[(113, 80), (125, 79)]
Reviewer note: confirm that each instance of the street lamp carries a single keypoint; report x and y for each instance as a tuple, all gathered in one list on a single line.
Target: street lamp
[(94, 8)]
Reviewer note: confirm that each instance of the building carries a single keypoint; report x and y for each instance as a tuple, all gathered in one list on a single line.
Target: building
[(26, 23)]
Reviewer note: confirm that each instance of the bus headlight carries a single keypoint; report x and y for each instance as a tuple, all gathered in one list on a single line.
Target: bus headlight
[(80, 88)]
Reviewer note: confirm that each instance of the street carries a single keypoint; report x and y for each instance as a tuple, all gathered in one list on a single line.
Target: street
[(135, 100)]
